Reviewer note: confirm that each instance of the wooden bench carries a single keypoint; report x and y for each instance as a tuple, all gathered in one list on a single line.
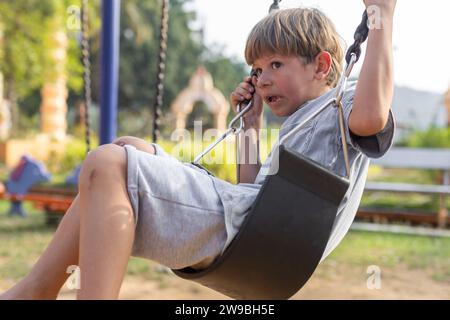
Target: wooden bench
[(416, 158), (53, 200)]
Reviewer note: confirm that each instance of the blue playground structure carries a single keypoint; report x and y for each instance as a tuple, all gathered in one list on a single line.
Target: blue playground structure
[(26, 174), (109, 70)]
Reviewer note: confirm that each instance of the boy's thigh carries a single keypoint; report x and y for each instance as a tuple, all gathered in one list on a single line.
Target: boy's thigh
[(178, 235), (180, 216)]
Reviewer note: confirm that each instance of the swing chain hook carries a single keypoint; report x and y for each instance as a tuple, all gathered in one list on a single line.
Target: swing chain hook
[(338, 104), (345, 75), (239, 116)]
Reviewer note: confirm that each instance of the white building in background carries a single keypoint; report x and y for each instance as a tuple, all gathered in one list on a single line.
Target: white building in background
[(417, 110)]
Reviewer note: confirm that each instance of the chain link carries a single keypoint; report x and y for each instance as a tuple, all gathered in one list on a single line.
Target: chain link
[(274, 6), (161, 69), (360, 36), (87, 71)]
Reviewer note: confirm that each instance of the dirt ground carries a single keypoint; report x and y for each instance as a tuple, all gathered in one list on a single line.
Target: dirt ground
[(333, 283)]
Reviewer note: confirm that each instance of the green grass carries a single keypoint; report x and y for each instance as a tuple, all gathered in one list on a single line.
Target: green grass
[(391, 250), (401, 202), (23, 240)]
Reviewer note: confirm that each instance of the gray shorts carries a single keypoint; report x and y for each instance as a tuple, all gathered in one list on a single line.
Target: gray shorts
[(179, 215)]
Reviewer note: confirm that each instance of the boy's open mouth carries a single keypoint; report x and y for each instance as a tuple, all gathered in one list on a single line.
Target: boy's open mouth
[(272, 99)]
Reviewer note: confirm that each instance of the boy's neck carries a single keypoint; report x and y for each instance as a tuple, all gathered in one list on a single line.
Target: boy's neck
[(316, 94), (323, 90), (319, 92)]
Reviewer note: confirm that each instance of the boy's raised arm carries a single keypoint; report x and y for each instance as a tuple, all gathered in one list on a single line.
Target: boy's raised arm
[(374, 91)]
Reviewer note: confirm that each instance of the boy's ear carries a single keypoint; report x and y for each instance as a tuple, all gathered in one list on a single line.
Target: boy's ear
[(323, 64)]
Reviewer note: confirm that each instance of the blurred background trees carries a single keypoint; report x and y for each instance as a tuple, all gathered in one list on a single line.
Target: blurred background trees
[(27, 26)]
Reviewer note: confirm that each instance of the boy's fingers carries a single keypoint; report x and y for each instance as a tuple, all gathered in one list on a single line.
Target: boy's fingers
[(248, 86), (244, 92), (237, 97)]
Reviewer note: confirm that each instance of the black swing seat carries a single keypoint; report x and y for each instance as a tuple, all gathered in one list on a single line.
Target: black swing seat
[(283, 237)]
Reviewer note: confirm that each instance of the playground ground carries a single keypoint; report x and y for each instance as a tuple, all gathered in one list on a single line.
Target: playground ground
[(332, 281), (412, 267)]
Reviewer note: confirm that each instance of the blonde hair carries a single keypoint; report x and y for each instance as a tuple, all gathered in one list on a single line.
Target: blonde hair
[(303, 32)]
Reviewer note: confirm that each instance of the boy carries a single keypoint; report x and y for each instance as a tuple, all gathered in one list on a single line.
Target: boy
[(296, 77), (132, 202)]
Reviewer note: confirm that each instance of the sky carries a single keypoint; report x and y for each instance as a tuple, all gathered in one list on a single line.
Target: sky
[(421, 37)]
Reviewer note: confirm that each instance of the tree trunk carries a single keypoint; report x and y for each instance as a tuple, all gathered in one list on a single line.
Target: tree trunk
[(54, 91)]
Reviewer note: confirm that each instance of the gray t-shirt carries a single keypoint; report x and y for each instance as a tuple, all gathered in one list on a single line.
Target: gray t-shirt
[(320, 141)]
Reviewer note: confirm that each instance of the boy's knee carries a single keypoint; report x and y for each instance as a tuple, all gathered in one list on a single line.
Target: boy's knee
[(106, 160)]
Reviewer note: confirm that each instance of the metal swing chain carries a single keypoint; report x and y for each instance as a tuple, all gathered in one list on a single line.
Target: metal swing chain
[(161, 69), (361, 34), (352, 56), (87, 71), (274, 6), (338, 104)]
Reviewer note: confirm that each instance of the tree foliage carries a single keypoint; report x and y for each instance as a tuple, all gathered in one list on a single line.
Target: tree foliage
[(27, 25), (140, 28), (431, 138)]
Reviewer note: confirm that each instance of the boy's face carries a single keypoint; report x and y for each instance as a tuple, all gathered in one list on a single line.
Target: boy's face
[(285, 82)]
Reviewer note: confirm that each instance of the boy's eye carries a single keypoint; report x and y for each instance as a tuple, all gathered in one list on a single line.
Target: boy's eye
[(257, 72), (275, 65)]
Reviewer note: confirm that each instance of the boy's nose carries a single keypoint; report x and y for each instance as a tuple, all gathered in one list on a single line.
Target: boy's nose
[(263, 80)]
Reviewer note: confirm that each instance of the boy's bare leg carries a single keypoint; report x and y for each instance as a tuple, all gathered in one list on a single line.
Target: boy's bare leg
[(107, 223), (108, 232), (49, 273)]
